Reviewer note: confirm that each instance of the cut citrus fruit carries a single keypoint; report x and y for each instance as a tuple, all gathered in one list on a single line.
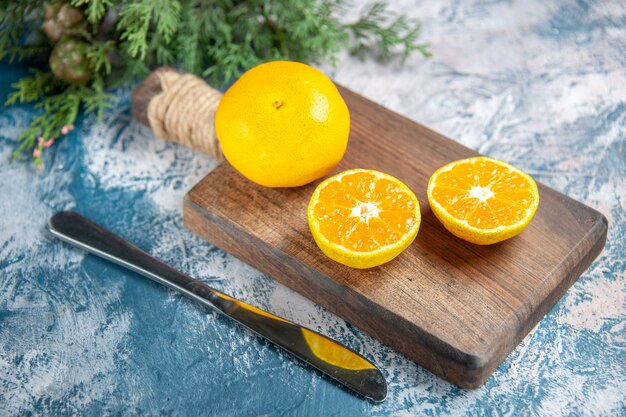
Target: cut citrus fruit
[(483, 200), (283, 124), (363, 218)]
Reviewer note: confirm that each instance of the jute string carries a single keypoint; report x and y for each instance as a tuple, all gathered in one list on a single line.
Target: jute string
[(184, 112)]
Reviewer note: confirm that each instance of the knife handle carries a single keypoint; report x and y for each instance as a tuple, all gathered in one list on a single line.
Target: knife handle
[(85, 234), (332, 358)]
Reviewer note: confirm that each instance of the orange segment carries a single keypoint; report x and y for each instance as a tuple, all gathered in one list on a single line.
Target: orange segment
[(363, 218), (483, 200)]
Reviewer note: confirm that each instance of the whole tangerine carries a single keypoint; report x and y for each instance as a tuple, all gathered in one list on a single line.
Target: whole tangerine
[(283, 124)]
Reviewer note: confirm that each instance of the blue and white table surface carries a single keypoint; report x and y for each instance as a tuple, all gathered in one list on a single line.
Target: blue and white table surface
[(540, 84)]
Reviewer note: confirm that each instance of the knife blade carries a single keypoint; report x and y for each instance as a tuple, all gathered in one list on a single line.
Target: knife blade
[(328, 356)]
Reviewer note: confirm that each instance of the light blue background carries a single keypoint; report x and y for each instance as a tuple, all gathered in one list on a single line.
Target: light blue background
[(541, 84)]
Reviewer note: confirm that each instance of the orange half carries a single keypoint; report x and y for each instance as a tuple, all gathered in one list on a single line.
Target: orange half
[(363, 218), (483, 200)]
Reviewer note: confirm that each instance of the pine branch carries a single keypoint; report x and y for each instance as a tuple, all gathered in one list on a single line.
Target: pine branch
[(378, 32), (59, 104), (17, 19), (145, 17), (98, 55), (218, 39), (30, 89), (188, 42), (94, 9)]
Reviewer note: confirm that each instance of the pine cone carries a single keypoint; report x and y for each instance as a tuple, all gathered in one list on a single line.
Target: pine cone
[(61, 20), (69, 62)]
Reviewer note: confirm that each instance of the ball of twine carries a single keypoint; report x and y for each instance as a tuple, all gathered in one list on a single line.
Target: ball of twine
[(184, 112)]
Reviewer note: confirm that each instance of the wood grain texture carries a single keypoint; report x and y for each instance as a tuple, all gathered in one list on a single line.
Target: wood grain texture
[(455, 308)]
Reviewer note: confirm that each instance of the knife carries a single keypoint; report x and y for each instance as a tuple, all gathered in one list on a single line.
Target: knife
[(328, 356)]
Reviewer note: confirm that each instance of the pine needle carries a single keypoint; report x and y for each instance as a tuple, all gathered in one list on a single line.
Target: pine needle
[(217, 39)]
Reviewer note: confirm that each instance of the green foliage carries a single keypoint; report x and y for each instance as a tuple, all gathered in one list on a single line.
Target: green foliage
[(18, 18), (379, 32), (94, 9), (220, 39), (217, 39), (149, 26), (98, 56), (59, 103)]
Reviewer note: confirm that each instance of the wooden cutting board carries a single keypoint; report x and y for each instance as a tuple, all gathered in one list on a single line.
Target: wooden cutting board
[(455, 308)]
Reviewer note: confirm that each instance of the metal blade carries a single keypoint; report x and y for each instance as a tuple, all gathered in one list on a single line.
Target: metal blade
[(330, 357)]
